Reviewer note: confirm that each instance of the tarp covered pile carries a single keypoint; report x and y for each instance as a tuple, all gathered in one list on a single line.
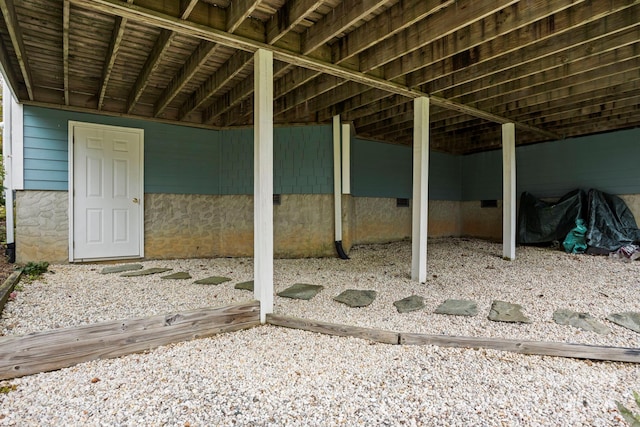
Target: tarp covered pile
[(610, 225)]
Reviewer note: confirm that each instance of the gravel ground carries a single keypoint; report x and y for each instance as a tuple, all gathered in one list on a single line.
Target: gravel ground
[(274, 376)]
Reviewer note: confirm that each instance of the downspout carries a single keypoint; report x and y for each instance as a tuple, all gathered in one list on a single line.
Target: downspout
[(337, 187), (10, 251)]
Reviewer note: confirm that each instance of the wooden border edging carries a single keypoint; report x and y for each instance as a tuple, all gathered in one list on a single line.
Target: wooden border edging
[(558, 349), (377, 335), (61, 348), (7, 287)]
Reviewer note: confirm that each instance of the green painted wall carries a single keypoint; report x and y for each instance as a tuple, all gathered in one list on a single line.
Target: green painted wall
[(385, 170), (185, 160), (607, 162)]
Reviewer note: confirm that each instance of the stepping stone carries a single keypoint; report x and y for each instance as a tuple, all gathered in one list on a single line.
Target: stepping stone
[(177, 276), (146, 272), (213, 280), (408, 304), (356, 298), (245, 286), (502, 311), (583, 321), (121, 268), (301, 291), (458, 307), (628, 319)]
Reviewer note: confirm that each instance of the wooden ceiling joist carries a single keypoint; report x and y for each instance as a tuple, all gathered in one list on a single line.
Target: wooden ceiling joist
[(11, 20), (170, 23), (288, 17), (65, 52)]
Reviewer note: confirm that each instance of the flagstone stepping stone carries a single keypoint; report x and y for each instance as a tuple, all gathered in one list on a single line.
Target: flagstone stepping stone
[(356, 298), (121, 268), (408, 304), (502, 311), (213, 280), (146, 272), (178, 275), (628, 319), (301, 291), (583, 321), (458, 307), (245, 286)]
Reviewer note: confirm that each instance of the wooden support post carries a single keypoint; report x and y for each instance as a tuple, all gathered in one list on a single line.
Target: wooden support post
[(263, 182), (509, 191), (337, 179), (420, 189), (346, 159)]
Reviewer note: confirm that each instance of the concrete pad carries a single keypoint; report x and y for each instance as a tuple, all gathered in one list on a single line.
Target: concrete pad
[(502, 311), (121, 268), (408, 304), (301, 291), (458, 307), (177, 276), (146, 272), (627, 319), (356, 298), (245, 286), (213, 280), (583, 321)]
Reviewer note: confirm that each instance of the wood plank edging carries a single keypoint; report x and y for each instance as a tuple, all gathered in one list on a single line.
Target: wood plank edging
[(7, 287), (62, 348), (539, 348), (377, 335)]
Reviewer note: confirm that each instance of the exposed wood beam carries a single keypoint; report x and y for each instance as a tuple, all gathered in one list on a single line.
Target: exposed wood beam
[(519, 23), (347, 13), (199, 57), (567, 27), (207, 33), (348, 108), (155, 57), (238, 11), (112, 53), (187, 6), (390, 22), (15, 34), (229, 70), (7, 72), (446, 21), (288, 16), (65, 49), (227, 101)]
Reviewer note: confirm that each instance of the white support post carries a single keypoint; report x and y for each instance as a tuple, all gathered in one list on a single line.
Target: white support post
[(420, 208), (337, 179), (346, 159), (263, 182), (509, 191)]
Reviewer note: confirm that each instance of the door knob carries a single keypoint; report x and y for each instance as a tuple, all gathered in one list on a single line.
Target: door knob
[(135, 200)]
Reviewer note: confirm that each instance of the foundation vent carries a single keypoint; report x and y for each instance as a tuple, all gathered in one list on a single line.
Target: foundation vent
[(488, 203), (402, 203)]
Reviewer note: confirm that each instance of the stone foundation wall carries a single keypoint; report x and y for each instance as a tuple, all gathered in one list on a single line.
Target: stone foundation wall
[(379, 220), (484, 223), (190, 226), (42, 226)]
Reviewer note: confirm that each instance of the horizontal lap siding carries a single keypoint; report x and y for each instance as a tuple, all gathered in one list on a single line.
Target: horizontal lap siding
[(185, 160), (607, 162), (385, 170)]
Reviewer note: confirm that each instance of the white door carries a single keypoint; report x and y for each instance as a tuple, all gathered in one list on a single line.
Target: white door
[(107, 192)]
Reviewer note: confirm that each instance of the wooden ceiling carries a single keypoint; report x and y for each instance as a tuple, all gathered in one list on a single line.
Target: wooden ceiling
[(556, 68)]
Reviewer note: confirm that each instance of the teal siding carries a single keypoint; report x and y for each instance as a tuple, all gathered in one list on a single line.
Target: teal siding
[(607, 162), (385, 170), (184, 160), (303, 160)]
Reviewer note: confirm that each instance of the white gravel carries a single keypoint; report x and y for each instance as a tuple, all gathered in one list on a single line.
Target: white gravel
[(274, 376)]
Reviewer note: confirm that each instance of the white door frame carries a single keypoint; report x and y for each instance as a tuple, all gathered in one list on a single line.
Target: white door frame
[(72, 126)]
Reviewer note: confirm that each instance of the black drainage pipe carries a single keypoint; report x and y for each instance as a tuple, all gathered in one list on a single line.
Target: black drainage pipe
[(341, 252)]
